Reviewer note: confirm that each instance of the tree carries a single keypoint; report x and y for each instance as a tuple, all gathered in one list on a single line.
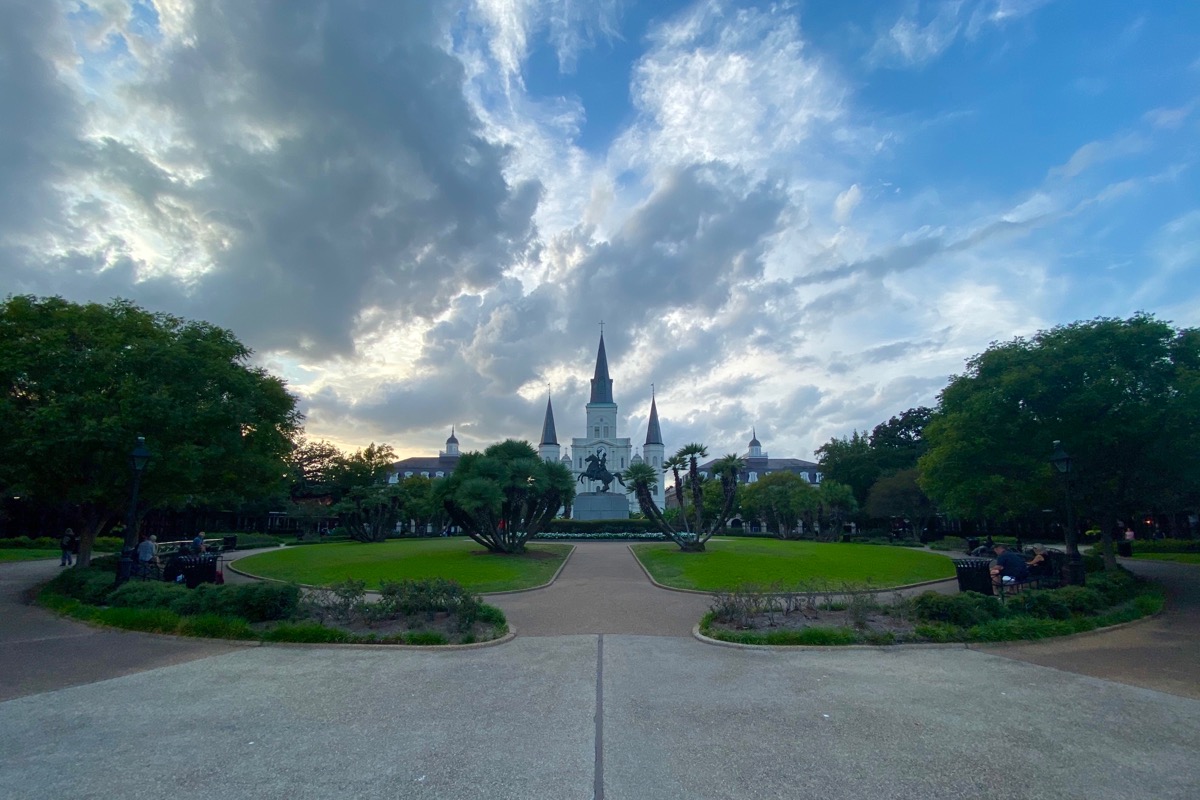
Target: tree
[(899, 495), (640, 479), (370, 513), (780, 500), (674, 464), (505, 495), (898, 443), (1122, 395), (318, 470), (838, 500), (851, 462), (370, 465), (81, 382)]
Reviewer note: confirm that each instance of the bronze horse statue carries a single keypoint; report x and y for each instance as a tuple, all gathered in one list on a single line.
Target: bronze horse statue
[(597, 470)]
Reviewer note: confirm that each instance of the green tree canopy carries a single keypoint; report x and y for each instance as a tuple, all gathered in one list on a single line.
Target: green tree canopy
[(780, 501), (81, 382), (850, 462), (505, 495), (1122, 395), (899, 495), (697, 511)]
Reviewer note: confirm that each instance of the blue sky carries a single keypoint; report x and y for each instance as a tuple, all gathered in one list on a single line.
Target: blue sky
[(799, 217)]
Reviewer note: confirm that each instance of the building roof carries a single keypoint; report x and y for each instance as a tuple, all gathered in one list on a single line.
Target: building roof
[(453, 439), (601, 383), (653, 431), (549, 436), (771, 464), (754, 442), (425, 464)]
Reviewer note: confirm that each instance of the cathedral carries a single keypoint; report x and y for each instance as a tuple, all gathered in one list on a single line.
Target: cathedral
[(601, 439), (600, 443)]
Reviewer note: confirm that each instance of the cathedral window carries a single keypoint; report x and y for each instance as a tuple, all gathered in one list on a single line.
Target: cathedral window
[(597, 432), (605, 431), (622, 462)]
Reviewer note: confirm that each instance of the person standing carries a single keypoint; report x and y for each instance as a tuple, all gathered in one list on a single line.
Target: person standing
[(67, 543)]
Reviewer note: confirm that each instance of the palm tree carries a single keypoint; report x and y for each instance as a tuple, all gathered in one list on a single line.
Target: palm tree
[(727, 468), (691, 453), (676, 463)]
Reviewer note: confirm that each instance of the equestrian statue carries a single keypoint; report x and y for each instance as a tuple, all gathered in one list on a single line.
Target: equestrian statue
[(597, 470)]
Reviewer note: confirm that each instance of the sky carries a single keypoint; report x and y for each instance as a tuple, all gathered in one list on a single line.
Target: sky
[(797, 218)]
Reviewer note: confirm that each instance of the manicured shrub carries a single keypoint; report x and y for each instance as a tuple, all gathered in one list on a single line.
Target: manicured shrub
[(941, 632), (214, 626), (149, 620), (1044, 604), (306, 632), (18, 542), (1024, 627), (1093, 564), (1115, 587), (600, 526), (261, 602), (90, 585), (964, 609), (147, 594), (1081, 599)]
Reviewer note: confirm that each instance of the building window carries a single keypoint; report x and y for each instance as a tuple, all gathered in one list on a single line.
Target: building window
[(622, 462), (703, 474), (408, 474), (580, 463), (425, 474), (753, 478), (597, 431), (441, 474)]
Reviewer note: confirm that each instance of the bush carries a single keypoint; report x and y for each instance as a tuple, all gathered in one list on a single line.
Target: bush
[(149, 620), (148, 594), (601, 526), (1115, 587), (1081, 599), (1093, 564), (214, 626), (306, 632), (965, 609), (941, 632), (1043, 604), (90, 585), (425, 637), (261, 602)]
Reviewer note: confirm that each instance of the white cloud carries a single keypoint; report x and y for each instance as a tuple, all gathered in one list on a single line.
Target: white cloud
[(845, 204)]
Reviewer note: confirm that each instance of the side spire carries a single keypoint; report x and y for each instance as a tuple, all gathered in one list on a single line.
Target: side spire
[(549, 436), (653, 431), (601, 383)]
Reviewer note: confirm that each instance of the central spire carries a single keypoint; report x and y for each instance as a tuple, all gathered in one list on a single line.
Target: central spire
[(601, 383), (549, 435)]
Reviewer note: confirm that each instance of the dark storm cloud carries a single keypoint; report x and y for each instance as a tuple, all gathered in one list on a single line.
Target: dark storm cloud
[(38, 121), (323, 162)]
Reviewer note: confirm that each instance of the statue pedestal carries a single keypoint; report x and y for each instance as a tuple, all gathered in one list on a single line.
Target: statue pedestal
[(600, 505)]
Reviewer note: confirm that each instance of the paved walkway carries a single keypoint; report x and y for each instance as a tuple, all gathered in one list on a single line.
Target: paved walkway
[(595, 715)]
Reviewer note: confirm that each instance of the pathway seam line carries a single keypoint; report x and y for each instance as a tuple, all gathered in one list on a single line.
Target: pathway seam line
[(598, 770)]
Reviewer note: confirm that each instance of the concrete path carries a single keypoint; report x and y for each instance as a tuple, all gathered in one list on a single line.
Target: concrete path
[(598, 715), (602, 590)]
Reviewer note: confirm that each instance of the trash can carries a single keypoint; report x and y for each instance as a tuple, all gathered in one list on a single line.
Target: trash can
[(1125, 549), (974, 575), (229, 542)]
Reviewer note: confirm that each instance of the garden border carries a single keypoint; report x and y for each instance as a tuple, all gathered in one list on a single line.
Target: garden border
[(981, 647)]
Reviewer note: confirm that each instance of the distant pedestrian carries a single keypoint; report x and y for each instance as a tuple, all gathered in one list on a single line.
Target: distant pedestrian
[(1129, 534), (198, 545), (67, 543)]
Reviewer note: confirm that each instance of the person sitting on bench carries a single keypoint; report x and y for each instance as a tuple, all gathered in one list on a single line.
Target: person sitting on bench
[(1009, 568)]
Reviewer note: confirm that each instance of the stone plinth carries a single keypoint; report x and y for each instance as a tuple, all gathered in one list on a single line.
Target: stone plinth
[(600, 505)]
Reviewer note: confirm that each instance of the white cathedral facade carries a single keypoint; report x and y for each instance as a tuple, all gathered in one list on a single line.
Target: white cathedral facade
[(601, 438)]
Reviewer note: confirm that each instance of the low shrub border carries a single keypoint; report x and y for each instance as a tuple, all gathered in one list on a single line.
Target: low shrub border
[(275, 612), (1108, 600)]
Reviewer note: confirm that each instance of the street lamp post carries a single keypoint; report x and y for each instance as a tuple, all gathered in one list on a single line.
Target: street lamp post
[(137, 463), (1063, 463)]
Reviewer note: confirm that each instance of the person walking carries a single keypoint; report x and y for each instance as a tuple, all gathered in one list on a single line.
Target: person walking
[(67, 543)]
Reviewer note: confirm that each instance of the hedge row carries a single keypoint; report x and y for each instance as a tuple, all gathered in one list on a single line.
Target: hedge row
[(254, 602), (600, 526)]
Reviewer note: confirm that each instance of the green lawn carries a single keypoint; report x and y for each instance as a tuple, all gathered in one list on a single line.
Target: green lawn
[(458, 559), (23, 554), (1181, 558), (730, 562)]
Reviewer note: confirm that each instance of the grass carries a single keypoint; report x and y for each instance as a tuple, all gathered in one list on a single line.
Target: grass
[(1179, 558), (731, 562), (456, 559), (19, 554)]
